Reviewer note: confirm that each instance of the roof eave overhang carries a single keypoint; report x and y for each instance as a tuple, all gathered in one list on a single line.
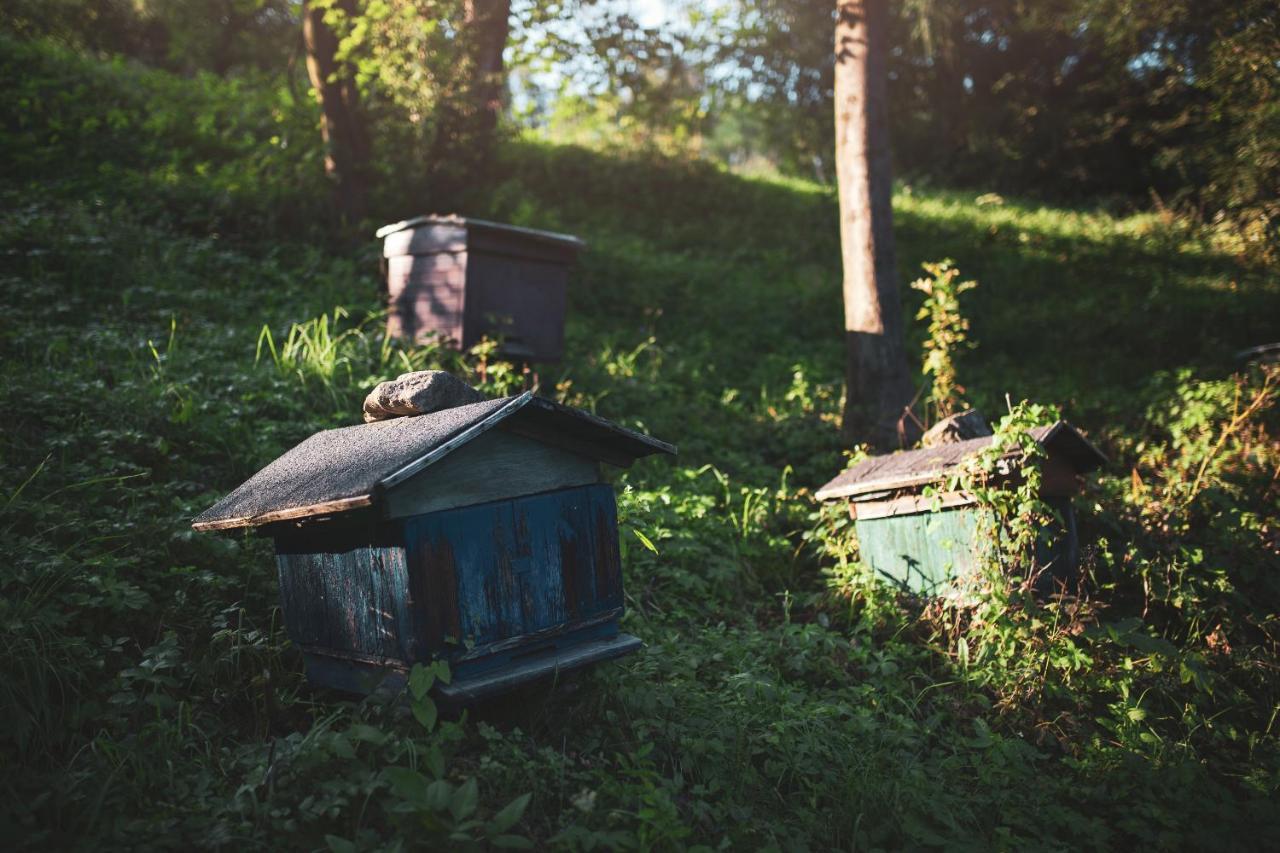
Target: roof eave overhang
[(287, 514)]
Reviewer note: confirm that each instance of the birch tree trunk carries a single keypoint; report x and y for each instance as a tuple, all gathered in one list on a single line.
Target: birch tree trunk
[(346, 139), (878, 386)]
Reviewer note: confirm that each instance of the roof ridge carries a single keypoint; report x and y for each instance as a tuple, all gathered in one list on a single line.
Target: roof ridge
[(489, 422)]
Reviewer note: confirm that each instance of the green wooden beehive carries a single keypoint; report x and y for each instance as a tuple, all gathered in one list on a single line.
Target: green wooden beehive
[(923, 543)]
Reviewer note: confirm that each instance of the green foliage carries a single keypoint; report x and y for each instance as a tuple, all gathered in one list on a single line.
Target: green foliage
[(785, 700), (623, 85), (240, 155), (404, 57), (1061, 98), (219, 36), (948, 332)]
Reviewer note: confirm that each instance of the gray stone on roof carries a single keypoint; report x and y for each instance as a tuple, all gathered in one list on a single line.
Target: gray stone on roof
[(420, 392)]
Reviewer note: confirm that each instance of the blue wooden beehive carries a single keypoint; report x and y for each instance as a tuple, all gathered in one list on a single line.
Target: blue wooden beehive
[(923, 543), (481, 533)]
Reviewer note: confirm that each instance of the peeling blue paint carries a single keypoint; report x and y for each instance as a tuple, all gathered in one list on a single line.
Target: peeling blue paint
[(451, 583)]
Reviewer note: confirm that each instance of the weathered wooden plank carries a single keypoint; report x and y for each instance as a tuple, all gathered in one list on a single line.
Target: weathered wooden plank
[(473, 546), (551, 662), (302, 600), (395, 578), (607, 558), (576, 628), (383, 630), (549, 531), (483, 574), (498, 464), (518, 299), (345, 600), (907, 505), (427, 294), (292, 513), (335, 588), (922, 552), (433, 586)]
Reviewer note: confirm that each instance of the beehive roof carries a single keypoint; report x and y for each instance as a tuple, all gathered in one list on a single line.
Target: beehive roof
[(918, 468), (346, 468), (567, 240)]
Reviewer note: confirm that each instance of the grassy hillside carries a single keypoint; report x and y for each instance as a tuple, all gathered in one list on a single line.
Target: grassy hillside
[(152, 229)]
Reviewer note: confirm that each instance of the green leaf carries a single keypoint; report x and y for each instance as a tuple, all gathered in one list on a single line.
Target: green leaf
[(367, 733), (464, 800), (644, 540), (340, 845), (407, 784), (424, 711), (341, 747), (441, 670), (434, 759), (420, 681), (438, 795), (511, 814), (512, 842)]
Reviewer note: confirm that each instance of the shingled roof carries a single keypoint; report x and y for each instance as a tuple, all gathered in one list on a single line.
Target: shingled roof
[(343, 469), (917, 468)]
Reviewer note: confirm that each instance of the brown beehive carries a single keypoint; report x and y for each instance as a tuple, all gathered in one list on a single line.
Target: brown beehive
[(465, 279)]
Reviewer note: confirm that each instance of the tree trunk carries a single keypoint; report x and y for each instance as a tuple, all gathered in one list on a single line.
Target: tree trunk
[(346, 140), (467, 121), (489, 24), (878, 388), (233, 26)]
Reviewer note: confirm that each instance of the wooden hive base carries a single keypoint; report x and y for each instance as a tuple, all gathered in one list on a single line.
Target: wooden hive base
[(474, 680)]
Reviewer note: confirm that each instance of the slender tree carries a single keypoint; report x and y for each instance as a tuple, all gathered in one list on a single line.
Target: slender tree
[(346, 138), (878, 385), (468, 114), (488, 25)]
